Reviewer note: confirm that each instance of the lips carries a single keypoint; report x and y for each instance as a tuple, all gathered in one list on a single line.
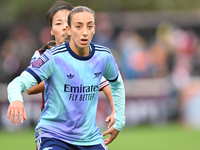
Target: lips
[(84, 41)]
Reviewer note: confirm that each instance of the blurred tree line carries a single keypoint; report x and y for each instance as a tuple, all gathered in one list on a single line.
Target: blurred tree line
[(12, 10)]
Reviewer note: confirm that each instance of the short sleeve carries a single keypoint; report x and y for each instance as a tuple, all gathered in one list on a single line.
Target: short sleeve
[(103, 83)]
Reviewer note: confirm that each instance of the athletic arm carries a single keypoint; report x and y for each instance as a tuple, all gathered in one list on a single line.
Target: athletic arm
[(108, 93), (38, 71), (104, 86), (36, 89), (118, 95), (15, 88), (110, 118)]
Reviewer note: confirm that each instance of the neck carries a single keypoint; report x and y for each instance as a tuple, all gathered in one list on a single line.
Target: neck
[(84, 52)]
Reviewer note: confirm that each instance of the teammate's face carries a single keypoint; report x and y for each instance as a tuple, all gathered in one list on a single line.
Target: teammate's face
[(59, 23), (82, 30)]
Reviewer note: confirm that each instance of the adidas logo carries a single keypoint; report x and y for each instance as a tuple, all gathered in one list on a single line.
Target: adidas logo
[(70, 76)]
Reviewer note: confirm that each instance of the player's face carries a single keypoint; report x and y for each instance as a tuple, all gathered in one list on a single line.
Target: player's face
[(59, 23), (82, 29)]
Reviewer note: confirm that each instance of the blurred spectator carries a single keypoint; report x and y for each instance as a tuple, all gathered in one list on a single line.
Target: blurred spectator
[(196, 60), (165, 38), (186, 46), (180, 46), (134, 61), (159, 60), (104, 31), (16, 51)]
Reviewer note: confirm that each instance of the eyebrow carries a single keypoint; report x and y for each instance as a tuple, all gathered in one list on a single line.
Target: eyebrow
[(87, 22), (59, 19)]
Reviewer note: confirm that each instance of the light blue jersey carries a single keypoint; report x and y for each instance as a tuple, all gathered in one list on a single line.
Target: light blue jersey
[(103, 83), (71, 92)]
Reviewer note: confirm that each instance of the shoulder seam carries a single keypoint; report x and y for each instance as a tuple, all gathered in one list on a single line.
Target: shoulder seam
[(102, 48), (58, 49)]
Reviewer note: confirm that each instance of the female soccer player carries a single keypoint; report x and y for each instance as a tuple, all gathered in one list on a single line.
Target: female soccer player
[(57, 20), (71, 91)]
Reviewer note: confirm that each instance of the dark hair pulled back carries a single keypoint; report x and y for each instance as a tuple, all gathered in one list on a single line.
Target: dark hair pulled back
[(58, 5)]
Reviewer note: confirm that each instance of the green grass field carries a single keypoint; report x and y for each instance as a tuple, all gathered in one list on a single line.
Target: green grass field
[(168, 137)]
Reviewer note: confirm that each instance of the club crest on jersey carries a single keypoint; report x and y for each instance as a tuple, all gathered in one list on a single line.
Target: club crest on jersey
[(40, 61), (96, 75)]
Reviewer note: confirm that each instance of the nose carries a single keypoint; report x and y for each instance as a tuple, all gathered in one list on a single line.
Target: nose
[(85, 31), (64, 26)]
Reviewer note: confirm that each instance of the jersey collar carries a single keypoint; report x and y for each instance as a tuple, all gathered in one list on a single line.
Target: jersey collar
[(80, 57)]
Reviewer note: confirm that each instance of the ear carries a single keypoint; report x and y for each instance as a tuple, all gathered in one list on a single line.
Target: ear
[(68, 30), (51, 31), (94, 29)]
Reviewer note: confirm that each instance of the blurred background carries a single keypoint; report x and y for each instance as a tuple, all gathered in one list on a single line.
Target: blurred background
[(156, 44)]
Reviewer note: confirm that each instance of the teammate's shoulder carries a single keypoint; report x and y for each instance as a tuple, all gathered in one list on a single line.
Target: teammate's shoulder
[(35, 56), (101, 48), (37, 52), (58, 49)]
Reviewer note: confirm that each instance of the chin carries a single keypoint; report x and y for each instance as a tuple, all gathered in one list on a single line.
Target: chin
[(83, 45)]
